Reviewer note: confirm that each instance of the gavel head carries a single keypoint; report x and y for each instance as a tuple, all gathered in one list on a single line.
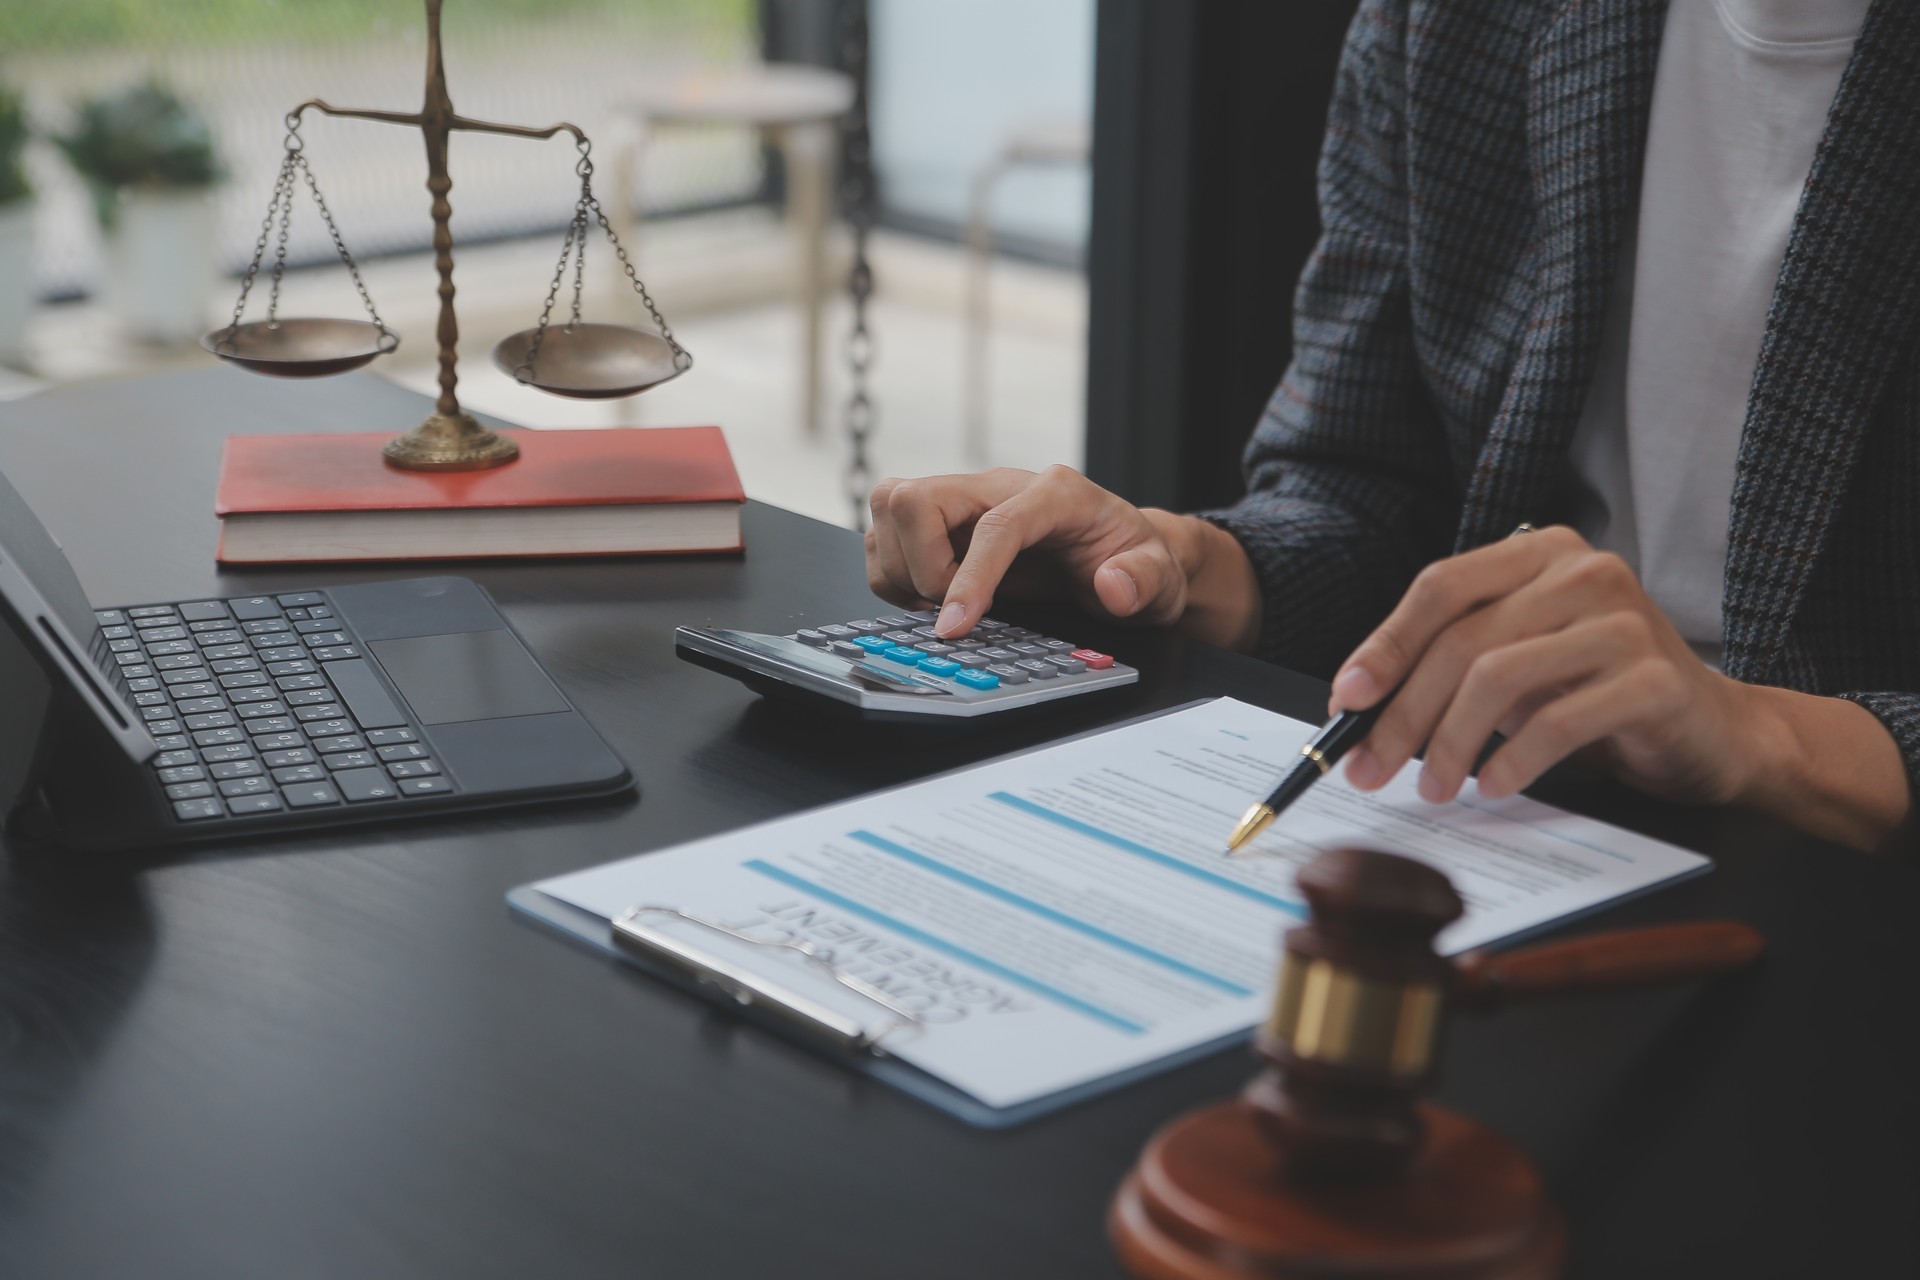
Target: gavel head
[(1357, 1017)]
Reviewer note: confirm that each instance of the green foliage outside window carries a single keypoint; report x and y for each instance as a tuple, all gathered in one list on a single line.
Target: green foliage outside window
[(13, 140), (143, 138)]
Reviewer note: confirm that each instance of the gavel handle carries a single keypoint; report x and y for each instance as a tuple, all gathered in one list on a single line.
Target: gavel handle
[(1624, 958)]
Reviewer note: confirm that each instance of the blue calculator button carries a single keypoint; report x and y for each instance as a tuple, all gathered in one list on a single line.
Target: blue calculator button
[(981, 680), (874, 644), (940, 666), (902, 654)]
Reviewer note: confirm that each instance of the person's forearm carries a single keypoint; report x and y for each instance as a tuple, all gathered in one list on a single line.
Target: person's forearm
[(1223, 593), (1828, 767)]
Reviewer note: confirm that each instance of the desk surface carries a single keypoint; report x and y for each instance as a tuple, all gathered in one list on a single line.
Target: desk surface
[(338, 1056)]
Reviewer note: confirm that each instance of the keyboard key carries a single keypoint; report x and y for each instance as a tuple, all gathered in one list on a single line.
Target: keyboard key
[(158, 711), (365, 696), (351, 760), (422, 786), (321, 638), (164, 635), (328, 728), (232, 666), (194, 689), (218, 737), (169, 741), (271, 724), (1009, 674), (345, 742), (110, 618), (1038, 668), (194, 810), (298, 667), (337, 652), (366, 784), (305, 795), (229, 751), (302, 598), (189, 791), (266, 627), (218, 624), (124, 646), (262, 710), (309, 626), (211, 720), (130, 659), (200, 706), (981, 680), (137, 670), (299, 773), (1068, 664), (387, 737), (203, 611), (177, 662), (183, 773), (163, 727), (290, 683), (151, 700), (256, 693), (266, 803), (319, 611), (278, 741), (116, 633), (210, 638), (309, 697), (281, 759), (236, 769), (320, 711), (174, 759), (288, 654), (412, 768), (246, 786), (243, 680), (151, 611), (298, 615), (254, 607), (1093, 658), (401, 751), (146, 685), (221, 652)]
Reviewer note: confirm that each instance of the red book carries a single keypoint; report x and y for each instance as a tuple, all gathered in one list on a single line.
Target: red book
[(619, 491)]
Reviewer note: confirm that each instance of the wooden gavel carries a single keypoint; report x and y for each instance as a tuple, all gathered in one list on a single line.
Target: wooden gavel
[(1330, 1162)]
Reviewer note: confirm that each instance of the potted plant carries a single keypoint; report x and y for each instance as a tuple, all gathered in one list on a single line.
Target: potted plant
[(149, 160), (16, 230)]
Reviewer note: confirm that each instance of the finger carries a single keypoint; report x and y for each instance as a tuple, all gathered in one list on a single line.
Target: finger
[(999, 535), (887, 572), (1442, 594), (1410, 720), (1143, 582), (923, 515), (1589, 714), (1535, 670)]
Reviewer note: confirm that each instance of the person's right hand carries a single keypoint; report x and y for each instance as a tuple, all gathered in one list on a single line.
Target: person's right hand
[(955, 542)]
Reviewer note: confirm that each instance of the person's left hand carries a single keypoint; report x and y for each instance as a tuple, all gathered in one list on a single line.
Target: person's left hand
[(1558, 647)]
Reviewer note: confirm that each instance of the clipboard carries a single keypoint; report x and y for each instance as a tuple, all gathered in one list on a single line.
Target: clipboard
[(788, 1016)]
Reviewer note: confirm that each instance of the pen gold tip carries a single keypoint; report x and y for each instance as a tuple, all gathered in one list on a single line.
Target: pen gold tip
[(1251, 824)]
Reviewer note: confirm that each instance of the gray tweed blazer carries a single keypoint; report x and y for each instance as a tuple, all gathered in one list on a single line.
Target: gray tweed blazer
[(1481, 160)]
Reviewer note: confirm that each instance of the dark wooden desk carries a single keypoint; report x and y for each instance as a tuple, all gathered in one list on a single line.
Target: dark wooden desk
[(339, 1057)]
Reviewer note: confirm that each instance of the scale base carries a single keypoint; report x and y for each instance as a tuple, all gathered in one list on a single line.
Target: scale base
[(1206, 1202), (450, 442)]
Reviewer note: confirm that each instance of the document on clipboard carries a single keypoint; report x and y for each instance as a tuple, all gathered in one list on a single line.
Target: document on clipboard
[(1024, 932)]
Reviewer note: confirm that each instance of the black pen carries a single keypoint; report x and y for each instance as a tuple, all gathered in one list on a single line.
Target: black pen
[(1341, 734)]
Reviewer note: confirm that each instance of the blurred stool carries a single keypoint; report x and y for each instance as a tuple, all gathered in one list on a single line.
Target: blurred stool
[(794, 109), (1040, 143)]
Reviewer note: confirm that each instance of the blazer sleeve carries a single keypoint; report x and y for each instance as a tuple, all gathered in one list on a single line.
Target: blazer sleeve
[(1350, 487), (1900, 713)]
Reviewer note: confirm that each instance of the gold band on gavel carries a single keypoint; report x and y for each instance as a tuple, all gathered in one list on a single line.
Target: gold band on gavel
[(1325, 1014)]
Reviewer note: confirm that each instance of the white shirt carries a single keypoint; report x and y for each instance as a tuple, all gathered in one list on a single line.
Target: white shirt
[(1740, 98)]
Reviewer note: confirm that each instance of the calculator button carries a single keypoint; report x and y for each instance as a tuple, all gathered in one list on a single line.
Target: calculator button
[(848, 650), (1068, 664), (838, 632), (921, 615), (1094, 659), (969, 643), (263, 803), (894, 622), (423, 786), (989, 625), (900, 637), (938, 666), (387, 737), (809, 636), (1009, 674), (905, 655), (1016, 633), (936, 648), (1038, 668), (873, 644), (966, 659), (866, 627), (193, 810), (1028, 649), (981, 680), (305, 795), (926, 633), (1054, 646), (1000, 653)]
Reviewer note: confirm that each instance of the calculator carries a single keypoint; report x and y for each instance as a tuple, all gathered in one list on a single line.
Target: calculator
[(896, 667)]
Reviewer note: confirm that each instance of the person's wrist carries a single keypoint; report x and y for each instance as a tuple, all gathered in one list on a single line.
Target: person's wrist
[(1223, 596), (1766, 758)]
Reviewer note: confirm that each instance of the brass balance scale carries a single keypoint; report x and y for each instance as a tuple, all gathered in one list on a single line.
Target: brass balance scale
[(578, 359)]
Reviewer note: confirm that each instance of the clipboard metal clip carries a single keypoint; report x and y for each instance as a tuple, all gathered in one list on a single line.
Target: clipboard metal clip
[(632, 930)]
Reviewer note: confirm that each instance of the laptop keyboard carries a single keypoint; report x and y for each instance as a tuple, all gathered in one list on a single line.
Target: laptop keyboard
[(266, 704)]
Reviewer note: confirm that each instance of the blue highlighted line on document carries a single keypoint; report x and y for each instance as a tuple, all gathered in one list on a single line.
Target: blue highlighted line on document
[(1048, 913), (941, 945), (1152, 855)]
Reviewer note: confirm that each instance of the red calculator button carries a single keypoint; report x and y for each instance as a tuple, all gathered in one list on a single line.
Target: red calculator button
[(1094, 661)]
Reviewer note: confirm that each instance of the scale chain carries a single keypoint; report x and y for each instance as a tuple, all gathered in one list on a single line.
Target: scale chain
[(857, 193)]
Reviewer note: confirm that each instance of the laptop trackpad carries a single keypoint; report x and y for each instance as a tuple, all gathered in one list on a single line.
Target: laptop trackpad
[(470, 675)]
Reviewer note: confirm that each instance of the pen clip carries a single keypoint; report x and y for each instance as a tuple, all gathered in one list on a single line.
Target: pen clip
[(750, 988)]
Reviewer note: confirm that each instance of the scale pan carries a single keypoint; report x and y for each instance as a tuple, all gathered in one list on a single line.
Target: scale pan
[(589, 361), (301, 348)]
